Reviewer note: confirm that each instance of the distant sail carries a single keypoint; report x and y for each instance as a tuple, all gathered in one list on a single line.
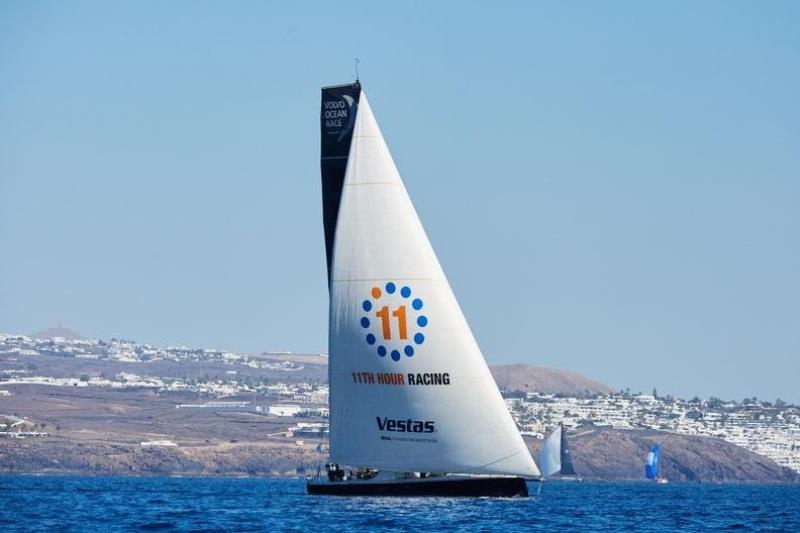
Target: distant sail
[(550, 456), (651, 467), (554, 457), (410, 390), (566, 459)]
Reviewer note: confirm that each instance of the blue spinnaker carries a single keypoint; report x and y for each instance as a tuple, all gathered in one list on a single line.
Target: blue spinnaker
[(651, 467)]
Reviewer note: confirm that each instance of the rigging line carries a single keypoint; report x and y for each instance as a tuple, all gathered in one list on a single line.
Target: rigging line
[(504, 458), (319, 452)]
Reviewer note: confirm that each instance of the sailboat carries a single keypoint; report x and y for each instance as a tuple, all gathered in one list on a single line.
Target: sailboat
[(652, 467), (414, 409), (555, 459)]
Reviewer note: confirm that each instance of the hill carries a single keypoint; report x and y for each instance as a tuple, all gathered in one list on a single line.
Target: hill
[(529, 378), (57, 331), (618, 455)]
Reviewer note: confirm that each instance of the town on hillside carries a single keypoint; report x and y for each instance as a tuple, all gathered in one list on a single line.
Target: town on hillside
[(290, 392)]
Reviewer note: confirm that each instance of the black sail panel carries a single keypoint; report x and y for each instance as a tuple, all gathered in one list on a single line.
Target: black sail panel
[(566, 459), (337, 118)]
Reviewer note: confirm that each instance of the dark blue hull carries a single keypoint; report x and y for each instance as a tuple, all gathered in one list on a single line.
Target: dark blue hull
[(501, 487)]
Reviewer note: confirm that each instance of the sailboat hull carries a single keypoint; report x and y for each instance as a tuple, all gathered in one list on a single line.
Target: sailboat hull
[(500, 487)]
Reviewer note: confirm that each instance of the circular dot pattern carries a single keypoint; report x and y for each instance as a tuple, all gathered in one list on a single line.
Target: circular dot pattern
[(377, 307)]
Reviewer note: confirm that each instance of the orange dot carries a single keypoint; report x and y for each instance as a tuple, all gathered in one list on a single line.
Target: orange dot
[(376, 292)]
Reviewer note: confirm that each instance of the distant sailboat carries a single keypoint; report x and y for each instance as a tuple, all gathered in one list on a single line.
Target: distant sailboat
[(652, 469), (414, 409), (555, 459)]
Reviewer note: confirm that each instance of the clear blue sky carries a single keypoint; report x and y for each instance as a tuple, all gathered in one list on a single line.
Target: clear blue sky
[(612, 188)]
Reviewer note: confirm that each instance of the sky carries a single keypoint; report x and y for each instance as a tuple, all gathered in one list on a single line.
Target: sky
[(612, 187)]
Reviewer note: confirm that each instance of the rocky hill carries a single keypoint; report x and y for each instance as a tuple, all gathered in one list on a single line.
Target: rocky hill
[(57, 331), (64, 456), (529, 378)]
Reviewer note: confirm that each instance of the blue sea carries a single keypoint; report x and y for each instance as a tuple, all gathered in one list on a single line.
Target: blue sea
[(53, 503)]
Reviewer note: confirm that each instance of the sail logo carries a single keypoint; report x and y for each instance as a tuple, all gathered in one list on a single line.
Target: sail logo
[(405, 426), (340, 115), (394, 321)]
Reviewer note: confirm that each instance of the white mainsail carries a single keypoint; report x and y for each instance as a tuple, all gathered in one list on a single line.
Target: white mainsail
[(409, 387), (550, 456)]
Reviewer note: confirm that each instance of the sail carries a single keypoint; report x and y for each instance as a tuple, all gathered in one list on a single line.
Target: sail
[(409, 387), (550, 456), (651, 466), (567, 469), (337, 119)]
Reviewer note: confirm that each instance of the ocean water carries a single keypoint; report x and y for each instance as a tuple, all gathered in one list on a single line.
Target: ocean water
[(54, 503)]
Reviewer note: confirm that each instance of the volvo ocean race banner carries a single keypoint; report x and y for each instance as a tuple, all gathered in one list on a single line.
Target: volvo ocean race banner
[(337, 118)]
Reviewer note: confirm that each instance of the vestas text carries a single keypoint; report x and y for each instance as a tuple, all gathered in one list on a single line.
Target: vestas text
[(405, 426)]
